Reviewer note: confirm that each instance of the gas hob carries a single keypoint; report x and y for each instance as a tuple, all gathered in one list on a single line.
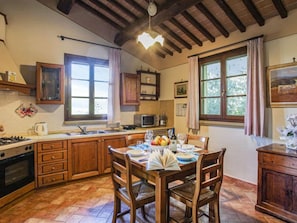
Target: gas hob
[(12, 139), (8, 143)]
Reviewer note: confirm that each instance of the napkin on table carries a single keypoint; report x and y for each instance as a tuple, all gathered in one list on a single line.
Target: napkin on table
[(167, 161)]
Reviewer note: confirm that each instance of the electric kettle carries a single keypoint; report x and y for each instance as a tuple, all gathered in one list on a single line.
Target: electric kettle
[(41, 128)]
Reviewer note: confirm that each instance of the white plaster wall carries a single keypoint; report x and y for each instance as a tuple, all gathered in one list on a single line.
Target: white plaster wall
[(241, 157), (31, 36)]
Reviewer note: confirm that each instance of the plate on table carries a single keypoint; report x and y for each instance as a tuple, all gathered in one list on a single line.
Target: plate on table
[(184, 156), (134, 152), (187, 147)]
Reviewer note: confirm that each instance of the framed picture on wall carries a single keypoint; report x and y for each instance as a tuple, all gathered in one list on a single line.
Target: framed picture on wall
[(180, 89), (282, 85)]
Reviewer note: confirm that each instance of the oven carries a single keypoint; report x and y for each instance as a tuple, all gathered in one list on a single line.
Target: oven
[(16, 165)]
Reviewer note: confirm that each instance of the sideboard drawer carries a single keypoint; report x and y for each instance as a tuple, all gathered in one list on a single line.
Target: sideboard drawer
[(279, 160)]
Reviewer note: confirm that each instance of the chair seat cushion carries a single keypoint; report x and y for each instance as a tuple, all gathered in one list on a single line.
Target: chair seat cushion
[(141, 190), (186, 191)]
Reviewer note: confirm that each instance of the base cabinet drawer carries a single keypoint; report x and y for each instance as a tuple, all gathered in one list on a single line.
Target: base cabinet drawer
[(52, 145), (52, 179), (51, 162), (53, 156), (52, 168)]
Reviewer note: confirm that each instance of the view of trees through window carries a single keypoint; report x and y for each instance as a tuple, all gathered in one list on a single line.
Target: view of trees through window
[(87, 88), (223, 86)]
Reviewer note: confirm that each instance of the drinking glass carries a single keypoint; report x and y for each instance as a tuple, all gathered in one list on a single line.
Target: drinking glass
[(181, 137), (148, 137)]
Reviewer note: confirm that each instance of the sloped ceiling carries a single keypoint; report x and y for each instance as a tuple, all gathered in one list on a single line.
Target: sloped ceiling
[(185, 24)]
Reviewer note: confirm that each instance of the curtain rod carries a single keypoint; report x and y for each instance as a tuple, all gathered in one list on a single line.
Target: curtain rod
[(197, 54), (84, 41)]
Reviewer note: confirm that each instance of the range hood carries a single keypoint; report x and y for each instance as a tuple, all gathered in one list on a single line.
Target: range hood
[(8, 66)]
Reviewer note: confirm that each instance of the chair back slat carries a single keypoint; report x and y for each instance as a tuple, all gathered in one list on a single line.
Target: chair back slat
[(132, 139), (200, 141), (119, 180), (210, 182), (211, 168)]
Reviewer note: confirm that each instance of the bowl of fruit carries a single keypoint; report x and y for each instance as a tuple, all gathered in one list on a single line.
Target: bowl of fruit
[(160, 143)]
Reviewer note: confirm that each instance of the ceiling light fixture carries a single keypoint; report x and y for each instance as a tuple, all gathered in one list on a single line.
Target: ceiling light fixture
[(150, 37)]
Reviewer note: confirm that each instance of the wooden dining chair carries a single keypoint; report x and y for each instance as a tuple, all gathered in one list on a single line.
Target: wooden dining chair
[(134, 194), (132, 139), (199, 141), (205, 190)]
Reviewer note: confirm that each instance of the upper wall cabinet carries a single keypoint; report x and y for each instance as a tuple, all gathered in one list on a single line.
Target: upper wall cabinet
[(130, 89), (49, 83), (150, 85)]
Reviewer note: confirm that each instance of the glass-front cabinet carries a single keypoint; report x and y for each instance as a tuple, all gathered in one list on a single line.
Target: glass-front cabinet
[(149, 85), (49, 83)]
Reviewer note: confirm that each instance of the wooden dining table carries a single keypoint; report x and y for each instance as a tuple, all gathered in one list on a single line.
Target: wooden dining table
[(161, 179)]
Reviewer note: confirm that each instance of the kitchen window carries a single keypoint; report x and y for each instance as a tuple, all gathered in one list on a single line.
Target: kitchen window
[(223, 86), (87, 83)]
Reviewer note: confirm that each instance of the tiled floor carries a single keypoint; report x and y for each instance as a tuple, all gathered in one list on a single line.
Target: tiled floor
[(91, 200)]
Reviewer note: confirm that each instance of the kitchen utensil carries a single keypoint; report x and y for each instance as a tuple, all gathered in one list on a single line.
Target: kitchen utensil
[(41, 128)]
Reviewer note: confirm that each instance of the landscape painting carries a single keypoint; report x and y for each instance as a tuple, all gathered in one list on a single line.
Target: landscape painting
[(282, 85)]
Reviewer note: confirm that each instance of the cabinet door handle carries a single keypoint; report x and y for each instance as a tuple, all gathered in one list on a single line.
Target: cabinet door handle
[(53, 157)]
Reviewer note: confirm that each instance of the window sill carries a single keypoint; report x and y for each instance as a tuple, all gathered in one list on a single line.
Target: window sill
[(222, 124)]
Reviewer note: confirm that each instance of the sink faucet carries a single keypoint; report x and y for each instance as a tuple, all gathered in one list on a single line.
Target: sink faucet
[(83, 129)]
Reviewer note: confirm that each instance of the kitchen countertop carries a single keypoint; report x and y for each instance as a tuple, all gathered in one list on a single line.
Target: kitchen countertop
[(75, 135)]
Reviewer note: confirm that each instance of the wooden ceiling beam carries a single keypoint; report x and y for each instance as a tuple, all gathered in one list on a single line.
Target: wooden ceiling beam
[(65, 6), (110, 12), (172, 45), (95, 12), (123, 9), (280, 8), (176, 37), (212, 19), (166, 50), (166, 11), (198, 26), (229, 12), (158, 52), (254, 11), (186, 31), (135, 5)]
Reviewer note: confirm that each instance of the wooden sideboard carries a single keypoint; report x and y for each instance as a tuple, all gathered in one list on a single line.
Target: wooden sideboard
[(277, 182)]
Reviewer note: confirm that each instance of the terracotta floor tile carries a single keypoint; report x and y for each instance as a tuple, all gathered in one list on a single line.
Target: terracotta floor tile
[(91, 200)]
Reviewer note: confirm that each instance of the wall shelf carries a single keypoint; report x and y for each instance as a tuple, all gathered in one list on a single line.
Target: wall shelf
[(149, 85)]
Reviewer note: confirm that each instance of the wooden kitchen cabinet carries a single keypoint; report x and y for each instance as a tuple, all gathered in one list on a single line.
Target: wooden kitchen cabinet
[(84, 157), (52, 162), (149, 85), (277, 182), (130, 89), (115, 141), (49, 83)]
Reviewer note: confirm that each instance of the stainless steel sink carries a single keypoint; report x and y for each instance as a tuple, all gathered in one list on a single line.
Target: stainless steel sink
[(82, 133), (94, 132), (111, 130)]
